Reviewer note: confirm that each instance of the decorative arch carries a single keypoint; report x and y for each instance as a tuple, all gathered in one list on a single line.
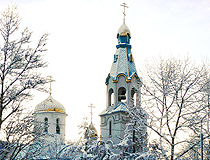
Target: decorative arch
[(117, 78), (111, 118), (122, 94)]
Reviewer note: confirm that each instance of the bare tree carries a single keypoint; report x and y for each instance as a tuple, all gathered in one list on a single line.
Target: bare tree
[(19, 133), (19, 64), (173, 97)]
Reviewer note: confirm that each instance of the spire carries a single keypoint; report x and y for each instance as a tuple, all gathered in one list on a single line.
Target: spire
[(123, 63), (50, 80), (91, 112), (125, 6)]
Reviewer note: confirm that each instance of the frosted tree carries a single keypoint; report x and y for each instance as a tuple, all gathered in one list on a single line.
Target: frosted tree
[(19, 64), (173, 97), (19, 134), (135, 137), (88, 139), (138, 122), (83, 131), (53, 149)]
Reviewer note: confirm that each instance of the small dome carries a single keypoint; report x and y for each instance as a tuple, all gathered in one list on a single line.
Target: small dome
[(50, 104), (123, 30), (93, 131)]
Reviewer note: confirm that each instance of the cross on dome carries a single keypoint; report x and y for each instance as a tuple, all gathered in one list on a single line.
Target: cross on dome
[(91, 112), (50, 80), (125, 6)]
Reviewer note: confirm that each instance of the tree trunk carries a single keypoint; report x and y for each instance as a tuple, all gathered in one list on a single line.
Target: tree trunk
[(172, 149)]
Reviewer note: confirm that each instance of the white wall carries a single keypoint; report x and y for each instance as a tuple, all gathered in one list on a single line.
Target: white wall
[(52, 116)]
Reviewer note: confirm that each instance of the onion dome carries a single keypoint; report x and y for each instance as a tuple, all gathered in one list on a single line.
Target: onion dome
[(93, 131), (49, 104), (123, 30)]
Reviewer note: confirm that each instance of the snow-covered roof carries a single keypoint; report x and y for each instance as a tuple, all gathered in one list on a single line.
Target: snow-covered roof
[(121, 107), (124, 30), (50, 104), (122, 66)]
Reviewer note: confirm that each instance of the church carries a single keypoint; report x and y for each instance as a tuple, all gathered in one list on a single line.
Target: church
[(123, 90)]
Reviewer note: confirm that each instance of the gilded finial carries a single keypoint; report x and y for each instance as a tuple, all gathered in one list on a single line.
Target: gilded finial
[(50, 80), (125, 6)]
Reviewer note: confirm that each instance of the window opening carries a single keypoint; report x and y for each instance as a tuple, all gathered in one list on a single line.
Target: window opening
[(122, 94), (46, 125), (130, 58), (111, 97), (57, 126), (134, 96), (110, 128)]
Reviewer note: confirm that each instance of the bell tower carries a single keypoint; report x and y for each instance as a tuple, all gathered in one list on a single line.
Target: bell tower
[(123, 88)]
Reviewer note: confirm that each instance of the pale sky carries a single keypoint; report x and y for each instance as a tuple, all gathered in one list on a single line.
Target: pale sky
[(83, 38)]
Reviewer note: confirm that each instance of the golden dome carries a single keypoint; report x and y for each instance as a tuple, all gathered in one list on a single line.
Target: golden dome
[(93, 131)]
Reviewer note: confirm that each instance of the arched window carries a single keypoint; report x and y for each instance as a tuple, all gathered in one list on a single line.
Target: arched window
[(134, 96), (122, 94), (46, 124), (110, 128), (111, 97), (57, 126)]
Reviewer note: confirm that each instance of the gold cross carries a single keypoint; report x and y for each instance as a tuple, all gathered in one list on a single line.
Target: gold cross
[(91, 112), (125, 6), (50, 80)]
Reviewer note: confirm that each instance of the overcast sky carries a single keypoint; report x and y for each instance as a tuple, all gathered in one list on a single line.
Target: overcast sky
[(83, 38)]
